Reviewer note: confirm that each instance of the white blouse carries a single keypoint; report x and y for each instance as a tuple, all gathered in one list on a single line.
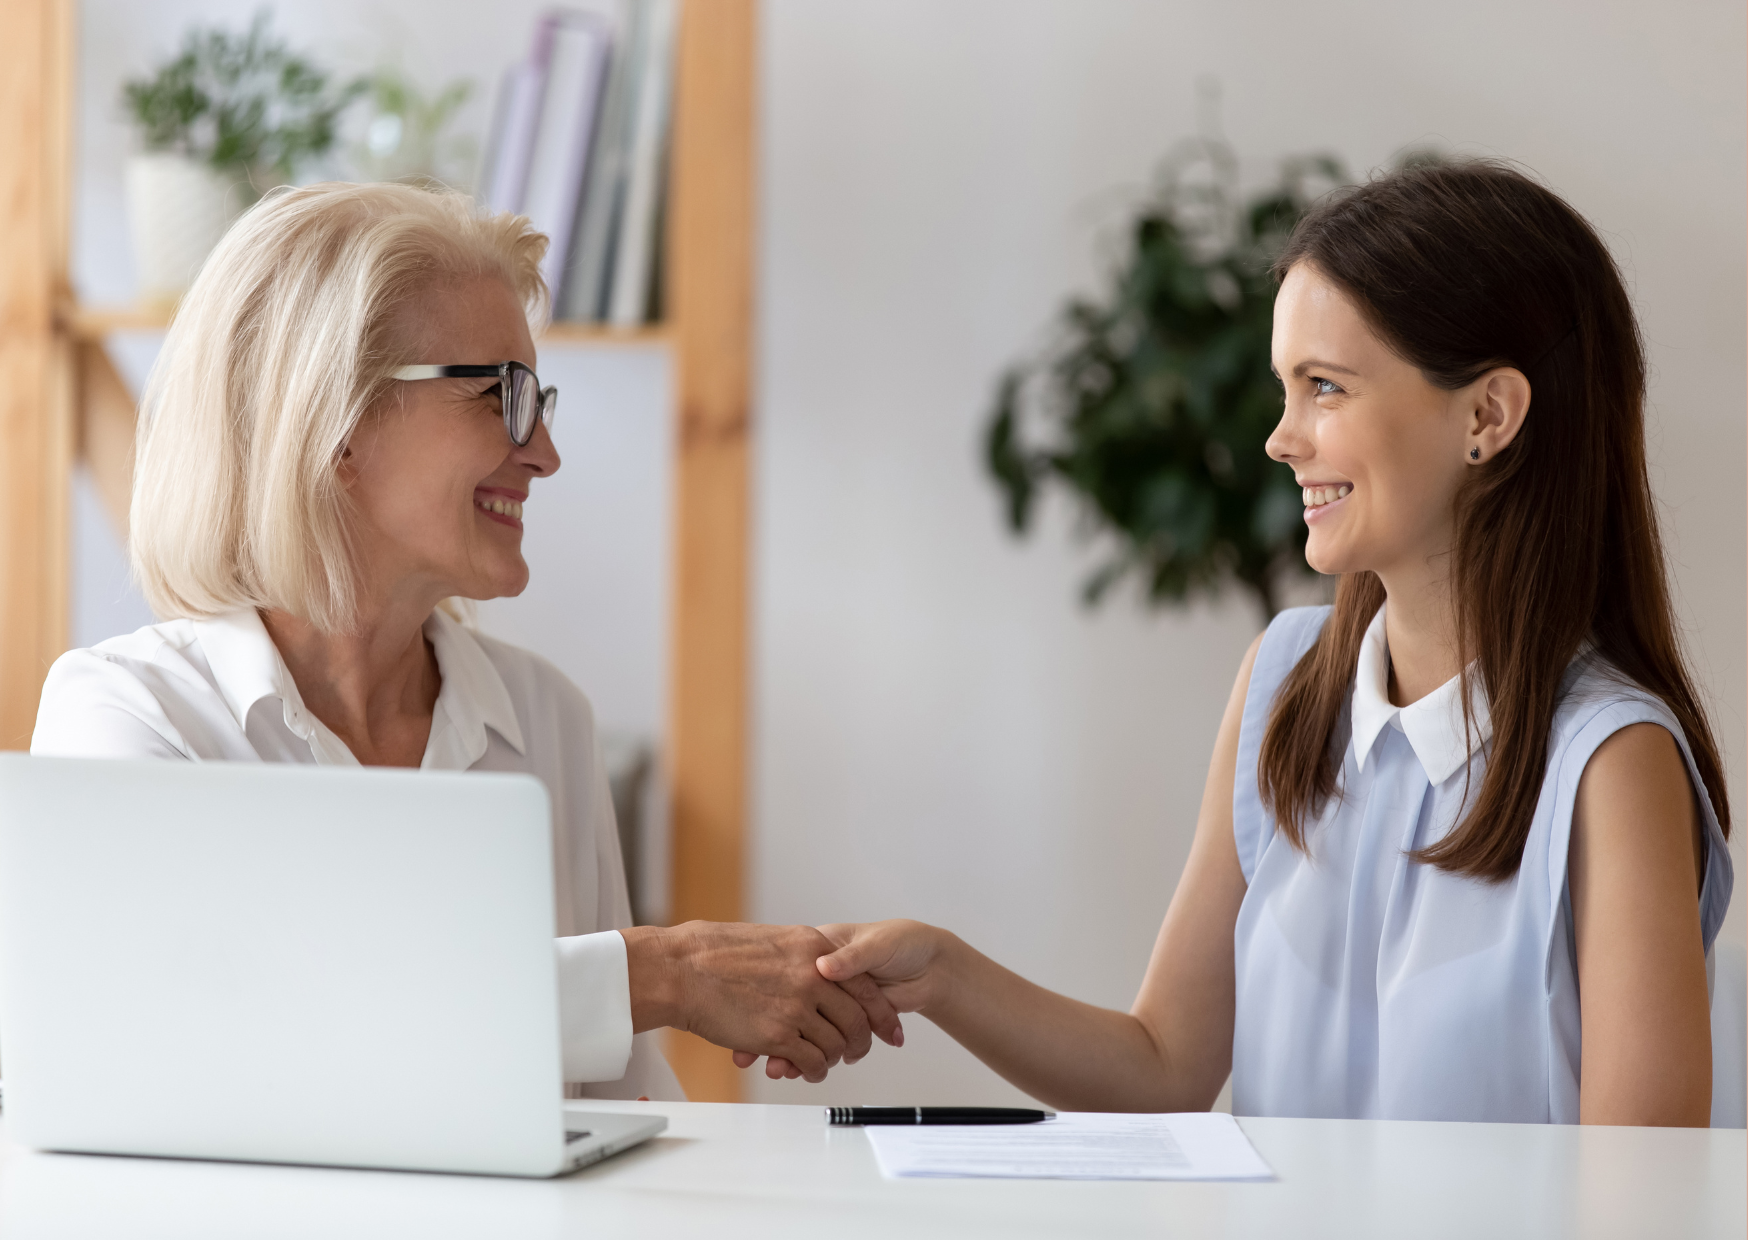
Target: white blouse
[(1373, 986), (217, 690)]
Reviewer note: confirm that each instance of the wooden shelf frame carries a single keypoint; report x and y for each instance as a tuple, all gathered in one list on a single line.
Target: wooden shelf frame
[(38, 398), (98, 323), (63, 402)]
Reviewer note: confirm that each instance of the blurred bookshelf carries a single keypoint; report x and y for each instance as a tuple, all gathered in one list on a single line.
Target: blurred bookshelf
[(64, 405), (95, 323)]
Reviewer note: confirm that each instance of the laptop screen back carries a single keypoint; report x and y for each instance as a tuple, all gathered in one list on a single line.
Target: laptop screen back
[(279, 963)]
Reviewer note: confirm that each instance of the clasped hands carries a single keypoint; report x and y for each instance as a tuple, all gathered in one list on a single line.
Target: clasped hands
[(801, 997)]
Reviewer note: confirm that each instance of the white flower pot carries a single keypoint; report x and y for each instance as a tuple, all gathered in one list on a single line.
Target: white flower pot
[(178, 209)]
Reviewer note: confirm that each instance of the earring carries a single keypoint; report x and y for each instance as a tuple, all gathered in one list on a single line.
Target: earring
[(1474, 454)]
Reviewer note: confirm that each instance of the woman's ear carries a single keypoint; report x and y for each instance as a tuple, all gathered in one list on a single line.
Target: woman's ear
[(360, 442), (346, 466), (1500, 402)]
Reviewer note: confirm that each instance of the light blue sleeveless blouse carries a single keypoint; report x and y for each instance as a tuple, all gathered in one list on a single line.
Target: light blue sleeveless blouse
[(1373, 987)]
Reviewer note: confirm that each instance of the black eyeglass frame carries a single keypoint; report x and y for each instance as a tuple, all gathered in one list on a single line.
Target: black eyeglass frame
[(510, 376)]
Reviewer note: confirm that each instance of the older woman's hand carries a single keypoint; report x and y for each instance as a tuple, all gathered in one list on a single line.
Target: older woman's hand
[(757, 987)]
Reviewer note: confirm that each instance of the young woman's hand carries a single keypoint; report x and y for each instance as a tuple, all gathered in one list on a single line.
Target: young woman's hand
[(903, 958)]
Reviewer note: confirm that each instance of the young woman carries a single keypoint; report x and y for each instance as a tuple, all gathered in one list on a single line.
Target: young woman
[(1461, 850)]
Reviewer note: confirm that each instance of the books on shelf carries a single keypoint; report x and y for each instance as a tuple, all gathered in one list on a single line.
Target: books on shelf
[(646, 150), (581, 295), (579, 144), (504, 171), (576, 70)]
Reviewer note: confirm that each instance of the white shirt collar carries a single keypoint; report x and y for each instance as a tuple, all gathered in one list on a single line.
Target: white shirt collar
[(247, 667), (245, 663), (1433, 725), (473, 698)]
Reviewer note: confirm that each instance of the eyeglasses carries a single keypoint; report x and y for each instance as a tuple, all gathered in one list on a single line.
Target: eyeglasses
[(524, 398)]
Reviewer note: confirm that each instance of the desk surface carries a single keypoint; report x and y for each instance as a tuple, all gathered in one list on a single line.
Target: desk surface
[(766, 1172)]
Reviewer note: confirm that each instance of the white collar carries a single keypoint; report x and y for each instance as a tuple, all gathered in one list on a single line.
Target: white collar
[(245, 663), (473, 698), (247, 667), (1433, 725)]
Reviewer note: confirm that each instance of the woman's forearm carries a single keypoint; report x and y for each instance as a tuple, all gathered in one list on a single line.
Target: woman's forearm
[(1061, 1051), (1172, 1053)]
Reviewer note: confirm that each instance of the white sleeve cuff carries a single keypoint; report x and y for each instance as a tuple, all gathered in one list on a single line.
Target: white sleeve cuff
[(594, 1006)]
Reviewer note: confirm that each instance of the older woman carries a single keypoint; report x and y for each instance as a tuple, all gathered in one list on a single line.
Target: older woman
[(341, 435)]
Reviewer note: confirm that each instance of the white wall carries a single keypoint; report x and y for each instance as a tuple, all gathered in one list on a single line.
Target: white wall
[(942, 732)]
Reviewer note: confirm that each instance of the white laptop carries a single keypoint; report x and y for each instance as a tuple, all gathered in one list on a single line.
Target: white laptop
[(289, 964)]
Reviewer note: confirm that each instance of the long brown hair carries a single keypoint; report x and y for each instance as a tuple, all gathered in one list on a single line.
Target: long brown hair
[(1462, 268)]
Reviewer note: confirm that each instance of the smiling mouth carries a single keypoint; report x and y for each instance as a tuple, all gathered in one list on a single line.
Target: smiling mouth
[(498, 506), (1318, 497)]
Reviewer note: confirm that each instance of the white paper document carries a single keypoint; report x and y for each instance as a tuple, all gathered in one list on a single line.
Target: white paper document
[(1075, 1146)]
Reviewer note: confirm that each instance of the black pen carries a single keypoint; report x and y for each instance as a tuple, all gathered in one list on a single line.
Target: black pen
[(857, 1116)]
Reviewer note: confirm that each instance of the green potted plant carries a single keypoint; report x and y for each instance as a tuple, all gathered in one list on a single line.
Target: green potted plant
[(224, 120), (1152, 404)]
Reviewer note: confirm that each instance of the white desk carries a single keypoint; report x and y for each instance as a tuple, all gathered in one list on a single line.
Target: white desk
[(768, 1172)]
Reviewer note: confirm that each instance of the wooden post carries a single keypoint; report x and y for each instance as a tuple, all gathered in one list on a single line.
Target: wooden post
[(105, 426), (710, 304), (36, 354)]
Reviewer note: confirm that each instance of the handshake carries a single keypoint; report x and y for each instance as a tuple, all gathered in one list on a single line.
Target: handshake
[(760, 990)]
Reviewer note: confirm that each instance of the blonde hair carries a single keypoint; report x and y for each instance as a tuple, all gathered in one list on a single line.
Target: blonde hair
[(287, 339)]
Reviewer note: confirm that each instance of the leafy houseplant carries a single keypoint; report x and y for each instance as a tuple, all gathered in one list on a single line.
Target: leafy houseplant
[(240, 103), (1154, 403), (226, 119)]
